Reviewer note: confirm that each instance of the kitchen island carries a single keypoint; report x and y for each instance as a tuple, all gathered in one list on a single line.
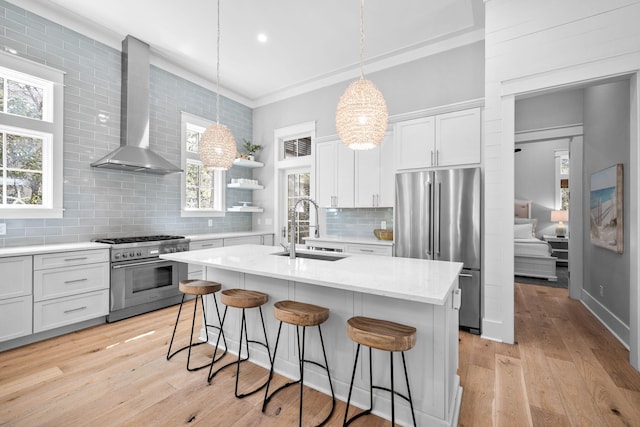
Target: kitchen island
[(415, 292)]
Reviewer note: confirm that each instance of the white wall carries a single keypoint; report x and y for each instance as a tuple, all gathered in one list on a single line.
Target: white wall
[(532, 45), (535, 180)]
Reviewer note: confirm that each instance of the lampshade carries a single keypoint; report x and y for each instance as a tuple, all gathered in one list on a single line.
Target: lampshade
[(559, 216), (217, 147), (361, 116)]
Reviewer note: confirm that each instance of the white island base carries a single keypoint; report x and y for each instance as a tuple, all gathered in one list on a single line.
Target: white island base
[(432, 363)]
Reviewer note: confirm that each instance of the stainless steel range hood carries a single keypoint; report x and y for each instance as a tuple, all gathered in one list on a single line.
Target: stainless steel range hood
[(134, 153)]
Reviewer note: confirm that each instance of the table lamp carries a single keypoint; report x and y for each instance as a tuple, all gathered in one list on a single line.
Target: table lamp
[(560, 217)]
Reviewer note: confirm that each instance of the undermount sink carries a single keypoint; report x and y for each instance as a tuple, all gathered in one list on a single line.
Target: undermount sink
[(310, 255)]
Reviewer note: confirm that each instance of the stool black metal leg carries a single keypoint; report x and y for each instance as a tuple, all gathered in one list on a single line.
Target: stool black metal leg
[(211, 373), (301, 354), (224, 340), (353, 376), (326, 364), (175, 327), (406, 377), (393, 393), (273, 362)]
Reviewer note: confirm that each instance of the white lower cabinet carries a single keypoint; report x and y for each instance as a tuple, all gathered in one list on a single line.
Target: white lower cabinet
[(15, 317), (361, 249), (16, 300), (197, 271), (70, 287), (53, 313)]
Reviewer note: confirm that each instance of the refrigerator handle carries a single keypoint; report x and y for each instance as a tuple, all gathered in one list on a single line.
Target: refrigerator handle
[(438, 211), (430, 239)]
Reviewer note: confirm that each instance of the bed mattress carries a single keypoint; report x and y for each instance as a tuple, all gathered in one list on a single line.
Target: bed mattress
[(531, 247)]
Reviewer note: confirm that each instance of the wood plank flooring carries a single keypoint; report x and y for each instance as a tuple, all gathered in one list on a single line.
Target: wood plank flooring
[(565, 370)]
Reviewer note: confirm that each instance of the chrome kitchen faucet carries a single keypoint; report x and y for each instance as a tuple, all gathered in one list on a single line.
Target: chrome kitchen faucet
[(294, 224)]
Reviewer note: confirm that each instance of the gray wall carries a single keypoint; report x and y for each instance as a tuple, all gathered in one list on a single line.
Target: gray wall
[(107, 202), (550, 110), (535, 180), (453, 76), (606, 143)]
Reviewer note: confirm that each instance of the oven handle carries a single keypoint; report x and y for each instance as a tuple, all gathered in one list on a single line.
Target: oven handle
[(135, 264)]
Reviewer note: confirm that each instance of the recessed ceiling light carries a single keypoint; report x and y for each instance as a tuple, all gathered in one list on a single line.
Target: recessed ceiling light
[(262, 38)]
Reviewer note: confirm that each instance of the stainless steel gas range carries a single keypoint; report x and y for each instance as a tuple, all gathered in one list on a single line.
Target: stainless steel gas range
[(140, 280)]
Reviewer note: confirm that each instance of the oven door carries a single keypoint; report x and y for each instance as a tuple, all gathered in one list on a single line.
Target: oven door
[(139, 282)]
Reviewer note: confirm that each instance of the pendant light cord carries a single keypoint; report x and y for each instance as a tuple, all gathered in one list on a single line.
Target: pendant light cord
[(361, 39), (218, 70)]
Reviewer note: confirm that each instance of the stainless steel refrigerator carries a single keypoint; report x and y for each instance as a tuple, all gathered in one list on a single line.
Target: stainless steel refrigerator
[(438, 217)]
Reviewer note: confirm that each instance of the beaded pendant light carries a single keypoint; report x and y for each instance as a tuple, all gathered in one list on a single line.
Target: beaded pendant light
[(217, 148), (361, 116)]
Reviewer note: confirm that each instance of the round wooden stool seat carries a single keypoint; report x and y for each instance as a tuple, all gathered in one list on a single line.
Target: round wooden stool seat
[(381, 334), (199, 287), (300, 313), (242, 298)]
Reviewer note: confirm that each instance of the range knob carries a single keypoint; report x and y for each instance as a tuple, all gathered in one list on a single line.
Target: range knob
[(172, 250), (139, 253), (117, 256), (131, 254), (124, 255)]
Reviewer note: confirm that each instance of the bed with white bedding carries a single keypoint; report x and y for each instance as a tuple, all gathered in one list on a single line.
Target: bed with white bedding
[(532, 256)]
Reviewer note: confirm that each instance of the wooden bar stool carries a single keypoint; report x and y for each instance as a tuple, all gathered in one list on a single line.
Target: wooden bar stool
[(199, 288), (386, 336), (300, 314), (243, 299)]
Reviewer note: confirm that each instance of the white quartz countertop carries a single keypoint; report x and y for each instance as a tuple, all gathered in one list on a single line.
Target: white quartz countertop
[(212, 236), (345, 239), (42, 249), (403, 278)]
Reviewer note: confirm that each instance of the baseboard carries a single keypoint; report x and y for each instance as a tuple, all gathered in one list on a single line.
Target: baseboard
[(607, 318)]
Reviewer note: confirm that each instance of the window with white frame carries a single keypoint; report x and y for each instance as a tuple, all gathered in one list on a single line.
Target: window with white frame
[(31, 123), (562, 179), (202, 188)]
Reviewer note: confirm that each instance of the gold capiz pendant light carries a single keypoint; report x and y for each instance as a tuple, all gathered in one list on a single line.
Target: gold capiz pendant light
[(217, 147), (361, 115)]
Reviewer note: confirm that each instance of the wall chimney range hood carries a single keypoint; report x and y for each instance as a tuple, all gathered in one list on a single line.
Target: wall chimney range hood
[(134, 154)]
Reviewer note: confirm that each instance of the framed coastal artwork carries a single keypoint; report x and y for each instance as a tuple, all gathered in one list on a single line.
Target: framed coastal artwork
[(606, 209)]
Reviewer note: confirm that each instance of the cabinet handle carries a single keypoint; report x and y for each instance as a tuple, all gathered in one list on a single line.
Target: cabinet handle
[(75, 309), (373, 200), (76, 259), (432, 158), (437, 157), (366, 250), (75, 281), (377, 200), (465, 275), (206, 245)]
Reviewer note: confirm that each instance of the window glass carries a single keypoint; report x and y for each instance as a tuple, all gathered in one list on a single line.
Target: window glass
[(21, 169), (203, 193), (299, 147), (24, 99), (298, 186)]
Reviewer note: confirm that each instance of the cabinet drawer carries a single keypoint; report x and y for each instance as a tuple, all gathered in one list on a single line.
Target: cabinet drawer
[(205, 244), (248, 240), (63, 259), (16, 276), (15, 317), (67, 310), (60, 282), (369, 250)]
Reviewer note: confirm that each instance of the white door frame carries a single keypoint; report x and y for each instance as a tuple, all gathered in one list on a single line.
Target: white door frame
[(583, 75)]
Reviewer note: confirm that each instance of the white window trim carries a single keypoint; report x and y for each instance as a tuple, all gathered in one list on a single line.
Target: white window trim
[(218, 176), (52, 124)]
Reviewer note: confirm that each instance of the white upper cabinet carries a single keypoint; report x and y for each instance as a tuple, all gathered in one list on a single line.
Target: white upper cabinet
[(334, 175), (449, 139), (374, 175)]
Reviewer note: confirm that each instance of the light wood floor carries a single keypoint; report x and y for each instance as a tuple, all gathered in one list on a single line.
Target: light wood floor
[(566, 370)]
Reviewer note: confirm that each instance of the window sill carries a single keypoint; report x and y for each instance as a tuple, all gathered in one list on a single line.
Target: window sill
[(201, 213), (30, 213)]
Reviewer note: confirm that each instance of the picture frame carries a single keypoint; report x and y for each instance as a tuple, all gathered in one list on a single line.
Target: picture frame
[(605, 206)]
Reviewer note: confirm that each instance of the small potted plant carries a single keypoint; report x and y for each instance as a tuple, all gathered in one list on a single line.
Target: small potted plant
[(251, 149)]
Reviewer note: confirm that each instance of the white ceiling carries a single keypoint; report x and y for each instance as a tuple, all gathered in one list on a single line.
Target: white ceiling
[(310, 43)]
